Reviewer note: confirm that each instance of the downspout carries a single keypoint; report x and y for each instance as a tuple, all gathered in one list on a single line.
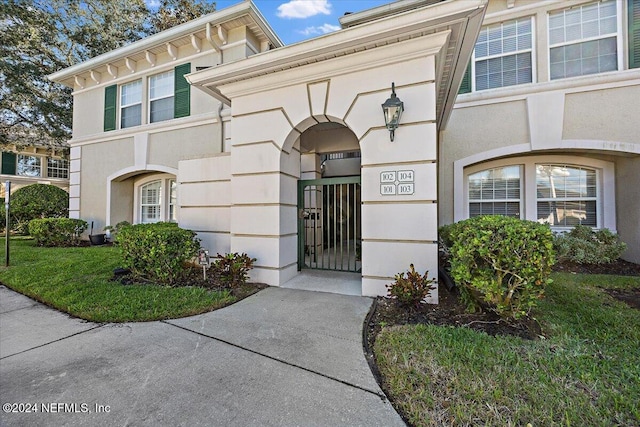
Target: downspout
[(222, 135)]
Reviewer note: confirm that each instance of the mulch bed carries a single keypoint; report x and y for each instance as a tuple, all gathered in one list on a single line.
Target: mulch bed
[(194, 277)]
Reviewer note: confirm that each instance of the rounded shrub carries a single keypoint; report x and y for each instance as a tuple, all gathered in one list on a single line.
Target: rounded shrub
[(57, 231), (584, 245), (502, 263), (37, 201), (157, 252)]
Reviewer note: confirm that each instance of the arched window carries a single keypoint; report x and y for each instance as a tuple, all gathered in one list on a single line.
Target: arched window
[(151, 202), (560, 190), (566, 195), (156, 199)]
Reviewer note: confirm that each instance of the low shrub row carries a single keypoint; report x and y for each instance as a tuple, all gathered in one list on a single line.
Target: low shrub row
[(584, 245), (157, 252), (57, 231)]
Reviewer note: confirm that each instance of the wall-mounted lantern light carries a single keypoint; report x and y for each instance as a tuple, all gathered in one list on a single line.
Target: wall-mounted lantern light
[(392, 109)]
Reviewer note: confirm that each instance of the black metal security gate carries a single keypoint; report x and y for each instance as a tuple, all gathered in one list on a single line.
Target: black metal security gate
[(329, 224)]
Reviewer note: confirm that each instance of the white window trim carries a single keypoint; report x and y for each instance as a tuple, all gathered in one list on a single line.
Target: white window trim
[(57, 168), (40, 170), (605, 189), (519, 200), (620, 43), (121, 106), (149, 99), (165, 196), (534, 62)]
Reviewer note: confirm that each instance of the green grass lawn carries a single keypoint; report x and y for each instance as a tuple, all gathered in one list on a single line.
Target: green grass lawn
[(585, 372), (76, 281)]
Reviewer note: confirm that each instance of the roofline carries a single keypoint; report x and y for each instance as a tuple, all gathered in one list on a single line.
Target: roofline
[(246, 7), (378, 12), (348, 39)]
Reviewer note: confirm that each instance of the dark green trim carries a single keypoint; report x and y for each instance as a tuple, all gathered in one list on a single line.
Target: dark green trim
[(110, 101), (465, 86), (357, 179), (8, 163), (634, 33), (182, 91)]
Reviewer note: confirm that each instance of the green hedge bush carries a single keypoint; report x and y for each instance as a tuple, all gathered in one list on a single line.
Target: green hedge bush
[(502, 263), (57, 231), (37, 201), (157, 252), (584, 245)]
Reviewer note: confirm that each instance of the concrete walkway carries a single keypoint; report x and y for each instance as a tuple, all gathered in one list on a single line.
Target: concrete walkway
[(282, 357)]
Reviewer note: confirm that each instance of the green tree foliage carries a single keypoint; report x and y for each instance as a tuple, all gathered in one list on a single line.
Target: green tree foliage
[(37, 201), (175, 12), (39, 37)]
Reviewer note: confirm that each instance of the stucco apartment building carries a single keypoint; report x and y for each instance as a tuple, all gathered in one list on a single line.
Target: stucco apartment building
[(33, 164), (523, 108)]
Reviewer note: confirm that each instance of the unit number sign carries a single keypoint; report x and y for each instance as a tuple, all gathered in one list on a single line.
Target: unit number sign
[(397, 183)]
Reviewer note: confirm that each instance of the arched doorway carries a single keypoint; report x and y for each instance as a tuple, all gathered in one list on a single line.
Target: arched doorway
[(329, 199)]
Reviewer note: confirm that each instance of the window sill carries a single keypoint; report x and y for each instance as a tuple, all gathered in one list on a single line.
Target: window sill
[(571, 84)]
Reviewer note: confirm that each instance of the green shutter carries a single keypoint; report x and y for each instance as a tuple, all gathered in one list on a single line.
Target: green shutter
[(110, 100), (465, 86), (9, 163), (634, 33), (182, 91)]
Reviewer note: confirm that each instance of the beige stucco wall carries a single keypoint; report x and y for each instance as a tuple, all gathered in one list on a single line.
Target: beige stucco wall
[(171, 146), (101, 162), (606, 114), (628, 205), (473, 130)]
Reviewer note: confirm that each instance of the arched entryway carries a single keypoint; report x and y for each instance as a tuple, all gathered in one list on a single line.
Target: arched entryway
[(329, 200)]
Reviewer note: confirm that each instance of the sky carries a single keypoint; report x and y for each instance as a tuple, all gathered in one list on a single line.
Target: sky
[(297, 20)]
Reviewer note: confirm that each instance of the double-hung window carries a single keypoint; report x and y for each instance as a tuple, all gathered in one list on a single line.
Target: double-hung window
[(131, 104), (166, 96), (566, 195), (29, 165), (161, 97), (495, 192), (57, 168), (583, 40), (503, 55), (157, 200), (151, 202)]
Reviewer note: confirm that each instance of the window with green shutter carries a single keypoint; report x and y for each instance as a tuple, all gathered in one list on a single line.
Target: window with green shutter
[(110, 99), (465, 87), (634, 33), (8, 163), (182, 91)]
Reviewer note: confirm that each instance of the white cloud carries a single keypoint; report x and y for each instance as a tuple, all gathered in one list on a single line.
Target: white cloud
[(153, 4), (304, 8), (323, 29)]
